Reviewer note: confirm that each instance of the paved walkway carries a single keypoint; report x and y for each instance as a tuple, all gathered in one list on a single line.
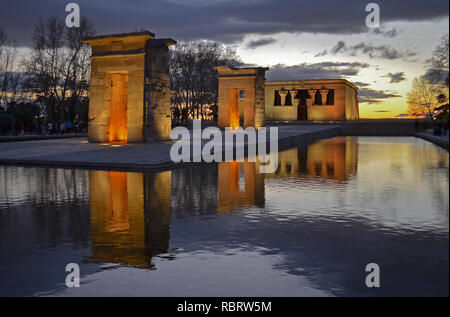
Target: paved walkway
[(33, 137), (77, 152), (442, 141)]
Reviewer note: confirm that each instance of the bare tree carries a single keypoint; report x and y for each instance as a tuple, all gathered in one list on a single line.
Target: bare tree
[(193, 77), (10, 75), (59, 67), (424, 97), (439, 63)]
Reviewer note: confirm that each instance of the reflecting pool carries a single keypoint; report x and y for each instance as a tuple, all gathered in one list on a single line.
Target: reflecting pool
[(224, 229)]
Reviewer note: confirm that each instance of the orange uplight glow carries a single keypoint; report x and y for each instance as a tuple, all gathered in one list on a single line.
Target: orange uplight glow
[(237, 185), (119, 202), (234, 125), (118, 118), (234, 119)]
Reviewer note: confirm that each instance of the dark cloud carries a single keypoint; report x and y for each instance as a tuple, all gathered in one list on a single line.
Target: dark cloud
[(389, 33), (323, 53), (329, 70), (401, 115), (373, 51), (339, 47), (260, 42), (396, 77), (221, 20), (381, 111), (325, 70), (361, 84), (372, 96)]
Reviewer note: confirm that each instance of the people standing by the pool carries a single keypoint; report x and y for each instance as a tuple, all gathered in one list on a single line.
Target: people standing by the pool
[(68, 127), (37, 129), (62, 127), (437, 128), (76, 126), (22, 128), (82, 126), (445, 128)]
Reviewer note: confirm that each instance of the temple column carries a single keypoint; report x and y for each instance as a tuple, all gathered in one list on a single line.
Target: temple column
[(293, 93), (324, 94), (295, 104), (312, 94), (283, 93)]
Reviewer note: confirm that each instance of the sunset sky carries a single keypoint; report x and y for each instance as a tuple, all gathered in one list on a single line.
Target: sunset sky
[(297, 39)]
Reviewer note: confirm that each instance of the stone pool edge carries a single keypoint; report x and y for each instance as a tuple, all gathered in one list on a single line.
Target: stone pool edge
[(285, 142)]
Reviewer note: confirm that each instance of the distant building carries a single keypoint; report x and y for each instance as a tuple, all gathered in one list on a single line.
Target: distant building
[(246, 99), (313, 100)]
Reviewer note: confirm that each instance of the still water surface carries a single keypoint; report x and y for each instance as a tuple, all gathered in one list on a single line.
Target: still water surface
[(225, 230)]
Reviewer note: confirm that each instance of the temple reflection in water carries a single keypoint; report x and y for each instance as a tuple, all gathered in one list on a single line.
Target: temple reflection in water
[(225, 229), (331, 159), (131, 212), (130, 215)]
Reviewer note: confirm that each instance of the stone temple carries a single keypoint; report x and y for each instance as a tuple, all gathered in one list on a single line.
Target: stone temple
[(130, 93), (130, 88), (246, 99)]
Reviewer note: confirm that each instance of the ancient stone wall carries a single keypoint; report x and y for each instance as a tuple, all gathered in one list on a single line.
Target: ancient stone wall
[(157, 114), (231, 83), (143, 92), (343, 107)]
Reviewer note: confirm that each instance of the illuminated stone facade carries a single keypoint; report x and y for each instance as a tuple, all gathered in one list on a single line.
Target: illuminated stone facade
[(245, 99), (130, 88), (313, 100), (241, 97)]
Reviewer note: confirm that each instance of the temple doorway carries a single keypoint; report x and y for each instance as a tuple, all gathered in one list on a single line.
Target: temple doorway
[(118, 118), (302, 111)]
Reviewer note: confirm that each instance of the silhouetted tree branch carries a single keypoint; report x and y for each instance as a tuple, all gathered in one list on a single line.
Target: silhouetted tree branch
[(59, 67), (194, 79)]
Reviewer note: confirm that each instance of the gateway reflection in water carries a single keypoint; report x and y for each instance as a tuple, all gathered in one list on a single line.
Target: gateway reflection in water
[(224, 229), (130, 215), (130, 212)]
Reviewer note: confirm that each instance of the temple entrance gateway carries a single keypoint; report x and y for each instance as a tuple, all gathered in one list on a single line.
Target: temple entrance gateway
[(129, 88), (119, 96), (241, 97)]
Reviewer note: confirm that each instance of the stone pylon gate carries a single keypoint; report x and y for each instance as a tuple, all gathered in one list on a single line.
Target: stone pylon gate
[(237, 86), (129, 88)]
